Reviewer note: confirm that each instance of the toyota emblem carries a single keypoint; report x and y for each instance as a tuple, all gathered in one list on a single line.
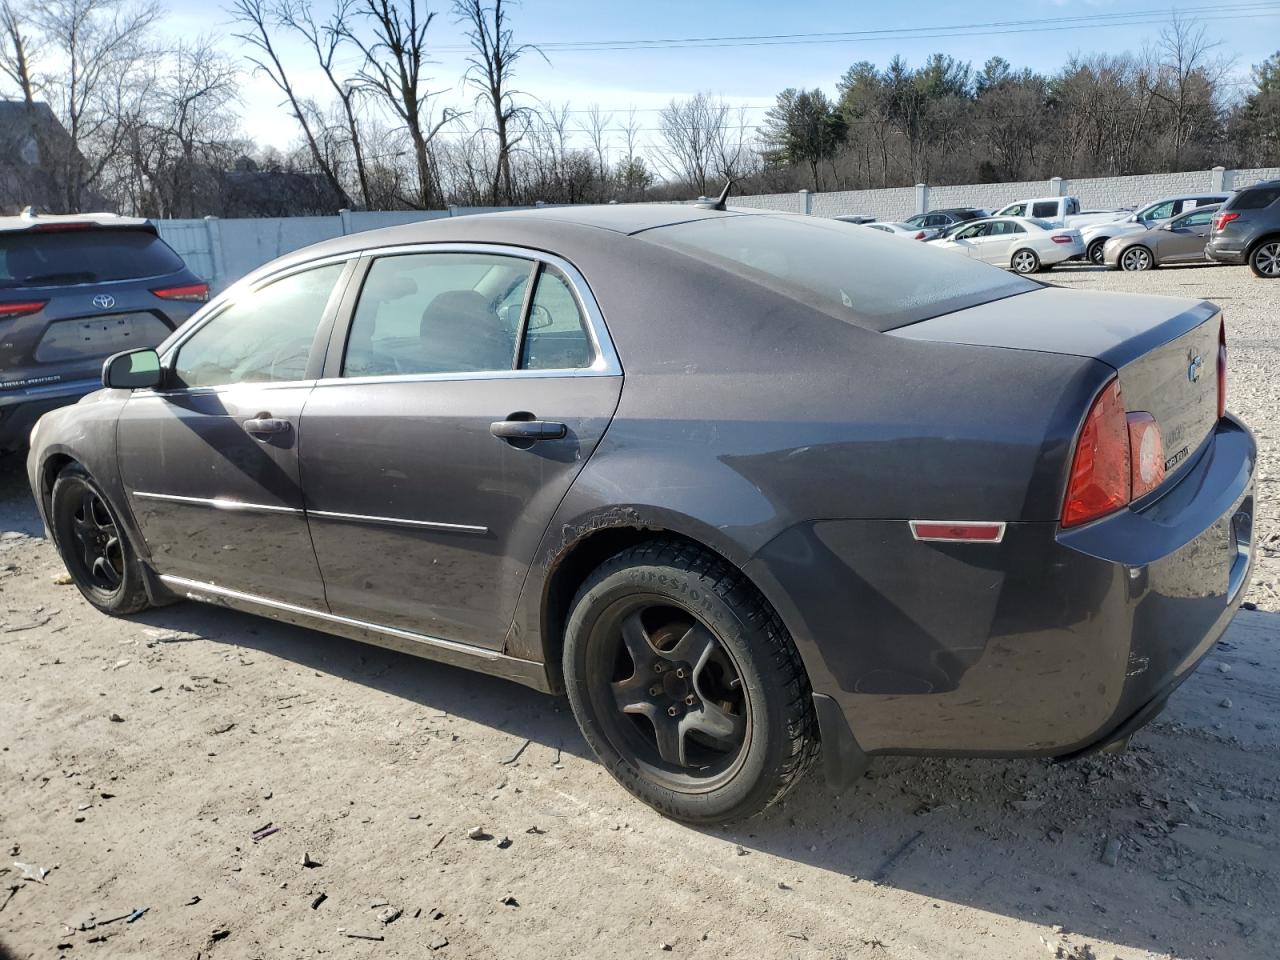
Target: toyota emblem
[(104, 301)]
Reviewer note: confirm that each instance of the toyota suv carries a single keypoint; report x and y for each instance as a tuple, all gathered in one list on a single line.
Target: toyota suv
[(73, 291), (1247, 230)]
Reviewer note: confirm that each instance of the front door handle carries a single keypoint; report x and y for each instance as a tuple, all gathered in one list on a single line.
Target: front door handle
[(527, 430), (266, 425)]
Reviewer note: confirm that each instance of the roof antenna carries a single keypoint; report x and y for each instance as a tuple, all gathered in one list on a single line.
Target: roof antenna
[(720, 202)]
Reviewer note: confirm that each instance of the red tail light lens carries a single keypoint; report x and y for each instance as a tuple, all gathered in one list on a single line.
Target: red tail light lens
[(198, 292), (1100, 477), (1146, 450), (10, 310), (1222, 219), (920, 235), (1222, 369), (61, 227), (1060, 238)]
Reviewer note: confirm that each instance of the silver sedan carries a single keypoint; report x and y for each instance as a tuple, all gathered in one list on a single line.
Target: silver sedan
[(1021, 244)]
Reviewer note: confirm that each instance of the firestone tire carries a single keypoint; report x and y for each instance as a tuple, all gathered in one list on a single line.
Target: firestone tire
[(686, 684), (96, 550)]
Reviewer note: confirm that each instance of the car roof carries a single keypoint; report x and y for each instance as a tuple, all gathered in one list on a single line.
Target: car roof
[(32, 221)]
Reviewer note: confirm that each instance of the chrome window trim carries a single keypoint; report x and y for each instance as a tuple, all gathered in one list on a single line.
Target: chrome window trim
[(604, 364), (198, 586), (395, 521), (217, 503)]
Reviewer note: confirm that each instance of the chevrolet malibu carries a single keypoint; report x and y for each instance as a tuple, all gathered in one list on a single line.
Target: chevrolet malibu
[(750, 488)]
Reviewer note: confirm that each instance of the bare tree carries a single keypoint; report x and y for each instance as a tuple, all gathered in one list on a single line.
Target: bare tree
[(491, 66), (1191, 78), (694, 134), (393, 70), (326, 40), (596, 127), (260, 22)]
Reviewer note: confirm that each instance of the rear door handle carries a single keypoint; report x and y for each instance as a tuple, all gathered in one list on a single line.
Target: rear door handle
[(266, 425), (527, 429)]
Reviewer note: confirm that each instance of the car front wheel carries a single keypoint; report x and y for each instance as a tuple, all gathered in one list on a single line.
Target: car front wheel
[(1025, 261), (93, 545), (686, 684), (1265, 260), (1137, 259)]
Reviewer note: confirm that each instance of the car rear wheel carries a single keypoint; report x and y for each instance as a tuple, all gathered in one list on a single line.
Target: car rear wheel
[(1025, 261), (94, 547), (1137, 259), (1265, 260), (687, 685), (1095, 251)]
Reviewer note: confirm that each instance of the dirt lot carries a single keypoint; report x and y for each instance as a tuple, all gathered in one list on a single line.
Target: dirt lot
[(140, 757)]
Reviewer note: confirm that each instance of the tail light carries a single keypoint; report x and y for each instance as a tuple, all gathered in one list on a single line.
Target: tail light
[(1222, 369), (1061, 238), (1146, 450), (1222, 219), (10, 310), (197, 292), (1099, 482), (920, 235)]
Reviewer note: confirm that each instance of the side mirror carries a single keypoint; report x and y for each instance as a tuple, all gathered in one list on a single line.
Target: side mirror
[(132, 369), (1166, 226)]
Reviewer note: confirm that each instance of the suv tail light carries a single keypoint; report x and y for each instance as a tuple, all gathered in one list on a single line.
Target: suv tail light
[(62, 227), (197, 292), (1222, 369), (1222, 219), (1099, 481), (10, 310)]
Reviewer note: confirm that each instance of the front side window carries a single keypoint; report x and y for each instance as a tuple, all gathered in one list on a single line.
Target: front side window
[(1158, 211), (1197, 219), (1014, 210), (971, 233), (265, 335)]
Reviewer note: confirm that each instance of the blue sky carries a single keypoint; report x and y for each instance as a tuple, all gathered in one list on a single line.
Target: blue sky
[(647, 79)]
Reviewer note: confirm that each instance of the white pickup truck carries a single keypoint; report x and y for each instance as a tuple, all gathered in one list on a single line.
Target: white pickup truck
[(1063, 211)]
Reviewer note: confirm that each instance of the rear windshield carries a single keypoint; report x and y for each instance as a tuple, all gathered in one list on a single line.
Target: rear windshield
[(1255, 199), (30, 259), (853, 276)]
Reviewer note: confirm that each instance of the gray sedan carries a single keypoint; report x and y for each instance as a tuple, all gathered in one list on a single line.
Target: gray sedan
[(749, 488), (1180, 240)]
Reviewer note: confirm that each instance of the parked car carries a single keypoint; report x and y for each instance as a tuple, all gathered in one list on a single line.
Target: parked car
[(1161, 211), (73, 290), (1180, 240), (567, 447), (1021, 244), (1063, 211), (1247, 230), (898, 230), (944, 218)]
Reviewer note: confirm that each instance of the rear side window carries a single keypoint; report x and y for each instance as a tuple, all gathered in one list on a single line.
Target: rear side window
[(30, 259), (1046, 208), (1255, 199), (844, 273), (556, 337)]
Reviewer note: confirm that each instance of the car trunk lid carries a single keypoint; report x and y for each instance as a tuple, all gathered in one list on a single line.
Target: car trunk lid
[(1164, 349)]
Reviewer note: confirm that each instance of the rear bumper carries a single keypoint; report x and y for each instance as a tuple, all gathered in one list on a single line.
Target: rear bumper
[(1226, 250), (1047, 643), (20, 408)]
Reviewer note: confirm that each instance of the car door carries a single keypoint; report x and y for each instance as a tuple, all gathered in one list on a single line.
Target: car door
[(992, 245), (471, 387), (210, 458), (1184, 237), (964, 239)]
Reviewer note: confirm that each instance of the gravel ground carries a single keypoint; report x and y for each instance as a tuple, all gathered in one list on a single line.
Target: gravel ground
[(141, 757)]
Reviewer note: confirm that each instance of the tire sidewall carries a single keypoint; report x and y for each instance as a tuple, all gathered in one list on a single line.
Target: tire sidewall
[(696, 594), (1035, 258), (1094, 253), (1151, 260), (131, 595), (1257, 252)]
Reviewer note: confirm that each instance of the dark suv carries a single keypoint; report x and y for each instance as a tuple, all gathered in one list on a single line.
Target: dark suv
[(1247, 230), (73, 291)]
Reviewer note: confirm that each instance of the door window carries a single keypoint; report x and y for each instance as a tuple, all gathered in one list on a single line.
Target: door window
[(265, 335), (1014, 210), (1004, 228), (972, 233), (1159, 211), (1197, 219), (1046, 208), (556, 335), (438, 313)]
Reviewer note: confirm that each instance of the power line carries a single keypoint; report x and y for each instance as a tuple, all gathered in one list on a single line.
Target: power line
[(1237, 11)]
